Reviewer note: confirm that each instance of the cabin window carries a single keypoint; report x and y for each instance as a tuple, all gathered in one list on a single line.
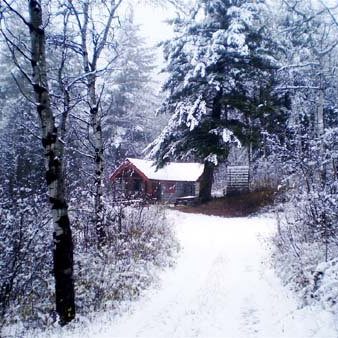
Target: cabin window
[(188, 189), (137, 185), (170, 187)]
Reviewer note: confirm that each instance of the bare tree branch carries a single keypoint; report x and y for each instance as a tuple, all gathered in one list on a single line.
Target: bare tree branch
[(22, 91), (12, 9)]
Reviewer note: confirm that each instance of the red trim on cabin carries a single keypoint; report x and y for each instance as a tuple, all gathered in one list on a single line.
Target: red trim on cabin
[(127, 165)]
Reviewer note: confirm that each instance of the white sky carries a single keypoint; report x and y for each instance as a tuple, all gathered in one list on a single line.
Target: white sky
[(152, 22), (154, 28)]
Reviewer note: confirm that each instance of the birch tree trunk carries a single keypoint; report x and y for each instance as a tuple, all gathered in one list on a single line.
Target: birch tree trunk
[(91, 50), (89, 67), (96, 117), (320, 128), (53, 150)]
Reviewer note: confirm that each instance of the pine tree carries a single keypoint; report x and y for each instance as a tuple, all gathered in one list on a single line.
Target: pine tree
[(220, 85)]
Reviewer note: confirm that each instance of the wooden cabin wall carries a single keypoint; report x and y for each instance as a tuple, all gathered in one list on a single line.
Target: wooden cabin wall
[(172, 190)]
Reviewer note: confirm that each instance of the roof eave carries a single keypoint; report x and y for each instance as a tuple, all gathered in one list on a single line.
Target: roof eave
[(126, 163)]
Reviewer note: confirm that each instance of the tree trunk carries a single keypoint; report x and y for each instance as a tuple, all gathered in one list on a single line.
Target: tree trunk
[(206, 182), (53, 149), (209, 167), (90, 68), (320, 131), (95, 123)]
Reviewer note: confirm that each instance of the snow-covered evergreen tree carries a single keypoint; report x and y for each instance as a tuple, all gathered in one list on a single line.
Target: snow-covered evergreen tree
[(220, 85)]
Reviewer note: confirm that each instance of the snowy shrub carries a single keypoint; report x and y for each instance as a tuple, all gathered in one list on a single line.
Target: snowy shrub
[(307, 238), (295, 261), (265, 174), (324, 286), (139, 240), (26, 292), (308, 233)]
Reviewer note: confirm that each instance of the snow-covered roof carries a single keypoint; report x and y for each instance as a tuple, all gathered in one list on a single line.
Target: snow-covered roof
[(190, 172)]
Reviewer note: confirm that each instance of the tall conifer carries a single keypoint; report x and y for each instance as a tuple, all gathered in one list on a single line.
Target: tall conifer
[(221, 68)]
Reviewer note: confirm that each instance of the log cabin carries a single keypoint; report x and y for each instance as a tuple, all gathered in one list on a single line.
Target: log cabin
[(138, 178)]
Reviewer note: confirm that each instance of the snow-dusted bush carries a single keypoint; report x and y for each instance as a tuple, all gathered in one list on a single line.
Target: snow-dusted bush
[(324, 286), (295, 259), (265, 174), (301, 265), (307, 247), (140, 241), (26, 282), (306, 244)]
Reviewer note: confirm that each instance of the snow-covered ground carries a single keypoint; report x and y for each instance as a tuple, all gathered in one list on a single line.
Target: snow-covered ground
[(222, 286)]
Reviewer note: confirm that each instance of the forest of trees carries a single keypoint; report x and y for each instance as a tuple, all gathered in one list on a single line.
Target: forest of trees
[(78, 94), (73, 82)]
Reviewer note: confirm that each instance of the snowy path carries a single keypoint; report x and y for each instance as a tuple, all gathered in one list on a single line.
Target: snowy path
[(221, 287)]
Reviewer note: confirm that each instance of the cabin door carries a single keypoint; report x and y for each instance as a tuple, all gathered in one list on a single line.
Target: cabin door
[(188, 189)]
